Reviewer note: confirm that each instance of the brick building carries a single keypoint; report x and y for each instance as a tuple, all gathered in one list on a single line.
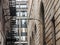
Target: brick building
[(44, 29)]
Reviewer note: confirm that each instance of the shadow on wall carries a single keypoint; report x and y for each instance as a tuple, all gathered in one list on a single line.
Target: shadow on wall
[(42, 16), (42, 10), (0, 2)]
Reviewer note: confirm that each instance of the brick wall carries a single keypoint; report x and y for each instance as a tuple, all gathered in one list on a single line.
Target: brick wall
[(52, 15), (50, 35)]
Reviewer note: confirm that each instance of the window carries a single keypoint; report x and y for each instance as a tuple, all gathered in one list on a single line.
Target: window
[(23, 13), (23, 6), (23, 33), (17, 13), (23, 38), (16, 37), (23, 30), (17, 6), (23, 24), (17, 22)]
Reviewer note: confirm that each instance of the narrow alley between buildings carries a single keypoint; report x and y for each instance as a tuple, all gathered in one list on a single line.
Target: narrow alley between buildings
[(29, 22)]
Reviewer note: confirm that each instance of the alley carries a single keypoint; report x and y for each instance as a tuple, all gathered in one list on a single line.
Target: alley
[(29, 22)]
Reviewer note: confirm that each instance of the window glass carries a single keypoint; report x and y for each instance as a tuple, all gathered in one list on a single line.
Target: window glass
[(23, 38), (17, 22), (16, 37), (23, 24), (17, 13), (23, 13), (21, 0), (23, 30), (23, 33), (23, 6), (17, 6)]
